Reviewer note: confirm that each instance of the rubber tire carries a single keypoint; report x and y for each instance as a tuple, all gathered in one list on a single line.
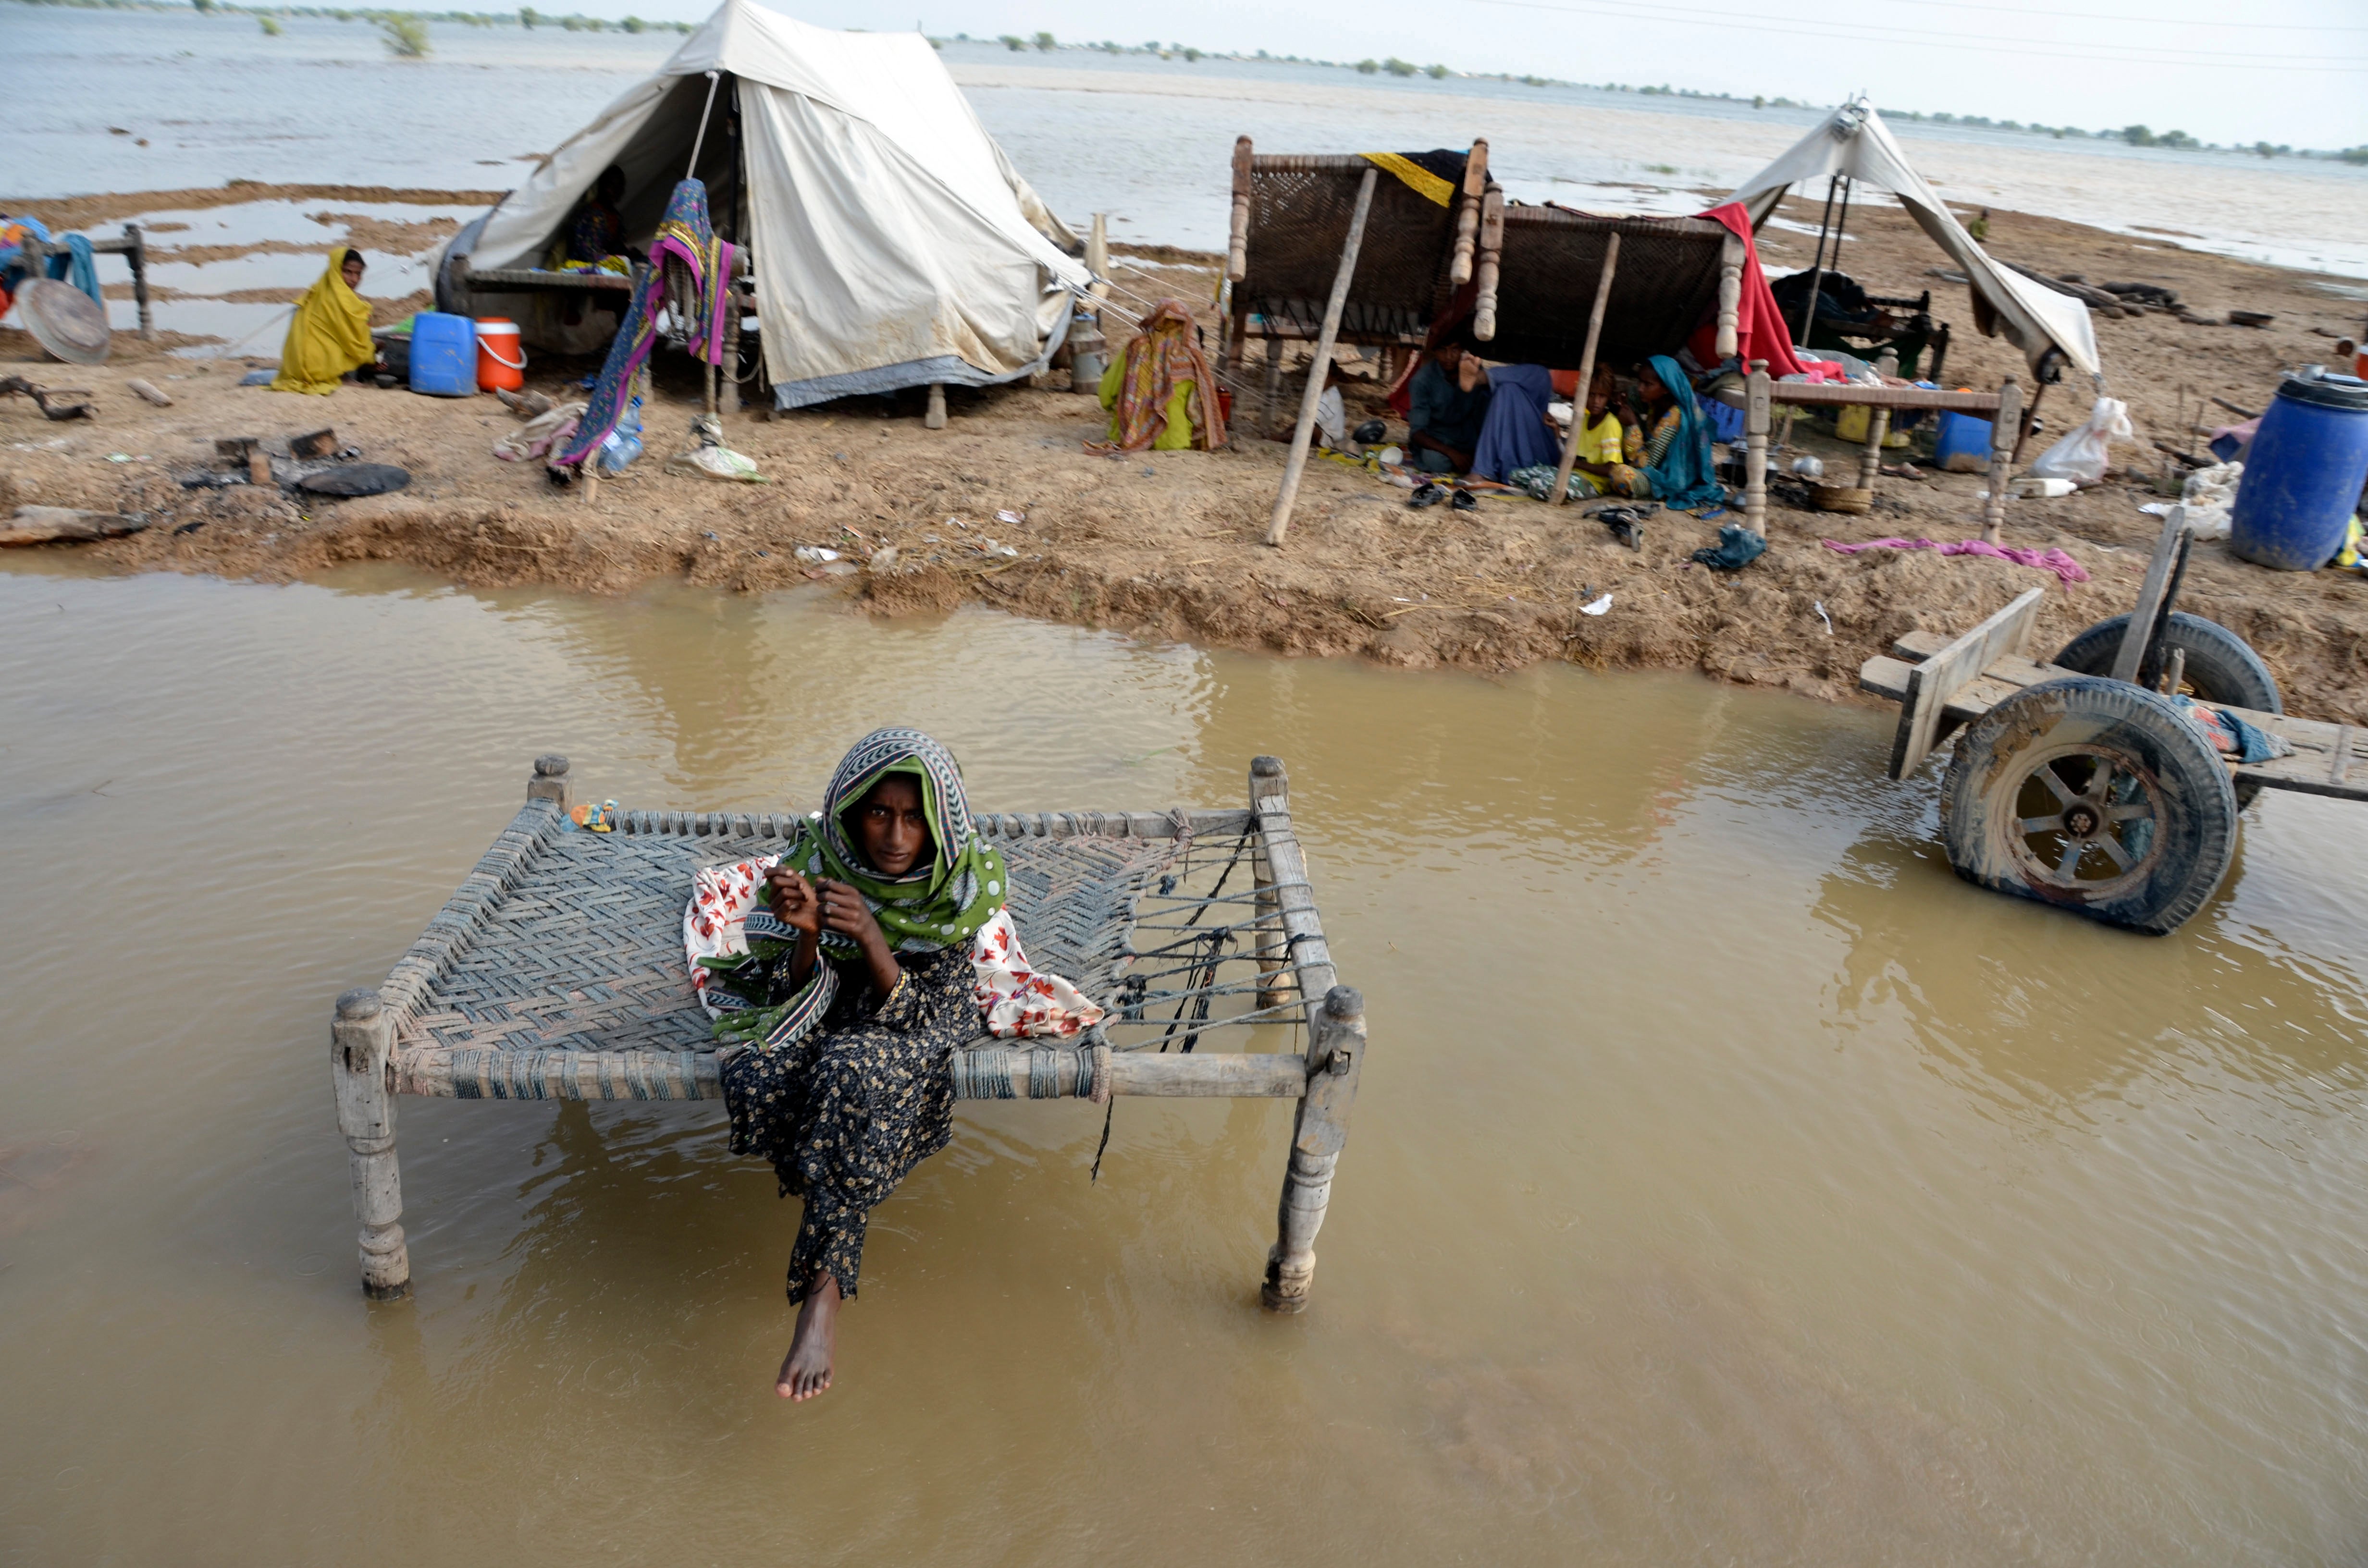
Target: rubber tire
[(2196, 820), (2221, 667)]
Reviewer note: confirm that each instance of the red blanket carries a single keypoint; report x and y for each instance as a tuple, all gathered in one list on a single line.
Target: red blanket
[(1760, 330)]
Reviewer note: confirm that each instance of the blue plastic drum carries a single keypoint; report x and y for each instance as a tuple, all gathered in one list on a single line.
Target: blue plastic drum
[(1963, 438), (2303, 475), (443, 355)]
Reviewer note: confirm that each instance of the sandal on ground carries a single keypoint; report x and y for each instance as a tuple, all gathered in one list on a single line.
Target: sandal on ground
[(1427, 495), (1464, 501)]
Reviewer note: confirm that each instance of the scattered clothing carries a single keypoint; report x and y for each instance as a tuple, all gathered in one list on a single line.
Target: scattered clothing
[(2056, 561), (2234, 738), (1434, 176), (1738, 548), (538, 435), (78, 267), (843, 1090), (1331, 418), (685, 239), (1759, 329), (1514, 432), (328, 336), (1538, 481), (1158, 393), (14, 233)]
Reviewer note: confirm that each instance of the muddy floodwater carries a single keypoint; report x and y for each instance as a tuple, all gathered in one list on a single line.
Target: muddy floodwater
[(1729, 1183)]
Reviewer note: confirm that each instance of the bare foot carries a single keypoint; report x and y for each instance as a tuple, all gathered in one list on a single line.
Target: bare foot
[(805, 1370)]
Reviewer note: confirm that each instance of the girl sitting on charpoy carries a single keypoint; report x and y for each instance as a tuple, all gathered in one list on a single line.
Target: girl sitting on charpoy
[(841, 974)]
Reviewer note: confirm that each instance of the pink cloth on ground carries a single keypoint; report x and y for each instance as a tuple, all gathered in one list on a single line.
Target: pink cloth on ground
[(2056, 561)]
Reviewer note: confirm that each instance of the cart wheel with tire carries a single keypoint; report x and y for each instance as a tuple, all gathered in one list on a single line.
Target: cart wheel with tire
[(2093, 793)]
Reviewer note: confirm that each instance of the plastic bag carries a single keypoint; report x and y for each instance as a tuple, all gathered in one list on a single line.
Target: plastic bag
[(2209, 493), (714, 462), (2082, 456)]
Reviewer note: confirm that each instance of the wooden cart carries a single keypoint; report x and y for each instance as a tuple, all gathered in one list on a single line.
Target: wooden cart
[(557, 972), (2077, 783)]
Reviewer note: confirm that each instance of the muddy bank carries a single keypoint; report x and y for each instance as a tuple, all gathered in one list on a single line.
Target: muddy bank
[(1168, 544)]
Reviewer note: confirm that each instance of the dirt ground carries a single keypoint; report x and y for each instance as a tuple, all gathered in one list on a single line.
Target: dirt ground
[(1171, 544)]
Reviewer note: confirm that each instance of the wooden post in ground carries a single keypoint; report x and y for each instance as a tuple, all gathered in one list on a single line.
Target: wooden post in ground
[(359, 1041), (1757, 397), (1279, 524), (1267, 781), (936, 417), (1336, 1050), (1560, 495), (2007, 420), (137, 254)]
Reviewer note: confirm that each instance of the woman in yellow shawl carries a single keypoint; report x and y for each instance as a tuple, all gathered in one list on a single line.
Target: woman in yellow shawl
[(1160, 392), (330, 335)]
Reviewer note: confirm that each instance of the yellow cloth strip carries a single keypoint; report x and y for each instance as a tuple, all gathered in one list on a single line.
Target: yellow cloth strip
[(1416, 178)]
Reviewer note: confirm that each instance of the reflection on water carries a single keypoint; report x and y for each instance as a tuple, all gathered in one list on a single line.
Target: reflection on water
[(1731, 1183)]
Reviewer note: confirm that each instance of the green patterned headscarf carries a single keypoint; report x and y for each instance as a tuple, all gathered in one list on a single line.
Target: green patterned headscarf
[(940, 902)]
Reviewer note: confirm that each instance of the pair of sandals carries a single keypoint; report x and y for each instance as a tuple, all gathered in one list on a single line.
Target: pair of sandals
[(1627, 523), (1430, 494)]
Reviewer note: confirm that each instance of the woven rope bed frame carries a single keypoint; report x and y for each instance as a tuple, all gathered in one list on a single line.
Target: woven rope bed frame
[(556, 971)]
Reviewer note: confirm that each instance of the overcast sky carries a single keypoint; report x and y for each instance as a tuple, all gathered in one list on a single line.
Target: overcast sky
[(2290, 71)]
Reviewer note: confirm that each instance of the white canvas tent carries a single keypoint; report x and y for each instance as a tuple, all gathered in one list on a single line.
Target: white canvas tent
[(1855, 143), (892, 242)]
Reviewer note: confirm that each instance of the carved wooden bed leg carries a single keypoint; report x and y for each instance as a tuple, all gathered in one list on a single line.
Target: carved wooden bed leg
[(1336, 1050), (359, 1042)]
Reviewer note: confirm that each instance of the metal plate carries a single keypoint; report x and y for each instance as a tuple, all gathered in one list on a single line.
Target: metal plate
[(356, 479), (63, 319)]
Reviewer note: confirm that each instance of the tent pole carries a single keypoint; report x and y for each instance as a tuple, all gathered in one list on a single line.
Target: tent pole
[(1560, 493), (1818, 264), (714, 78)]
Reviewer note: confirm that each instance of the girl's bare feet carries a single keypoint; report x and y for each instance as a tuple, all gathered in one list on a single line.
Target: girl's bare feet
[(805, 1371)]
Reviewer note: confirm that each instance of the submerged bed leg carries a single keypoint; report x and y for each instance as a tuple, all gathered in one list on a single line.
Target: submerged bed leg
[(358, 1044), (1336, 1050)]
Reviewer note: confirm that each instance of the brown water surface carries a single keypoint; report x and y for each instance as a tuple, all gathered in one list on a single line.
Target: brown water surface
[(1729, 1184)]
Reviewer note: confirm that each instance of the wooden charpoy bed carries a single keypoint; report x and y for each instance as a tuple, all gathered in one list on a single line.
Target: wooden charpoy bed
[(557, 971)]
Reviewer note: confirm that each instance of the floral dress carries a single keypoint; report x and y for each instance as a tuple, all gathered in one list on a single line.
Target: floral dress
[(846, 1112)]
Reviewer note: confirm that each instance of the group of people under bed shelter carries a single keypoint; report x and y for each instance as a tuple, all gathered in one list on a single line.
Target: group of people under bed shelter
[(1646, 436)]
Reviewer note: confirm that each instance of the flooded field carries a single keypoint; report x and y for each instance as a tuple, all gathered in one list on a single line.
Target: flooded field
[(1729, 1183)]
